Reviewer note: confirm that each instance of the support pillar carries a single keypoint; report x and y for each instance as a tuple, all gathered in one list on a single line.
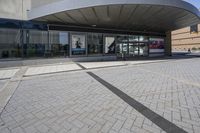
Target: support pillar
[(168, 44)]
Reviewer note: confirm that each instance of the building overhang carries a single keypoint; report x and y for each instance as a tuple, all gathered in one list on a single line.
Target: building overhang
[(132, 15)]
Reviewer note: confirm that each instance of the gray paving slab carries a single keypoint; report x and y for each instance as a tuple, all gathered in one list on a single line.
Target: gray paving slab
[(170, 89), (75, 102), (7, 73), (8, 89), (70, 102), (2, 82), (163, 123), (48, 69)]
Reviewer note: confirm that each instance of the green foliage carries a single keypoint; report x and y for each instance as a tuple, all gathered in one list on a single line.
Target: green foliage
[(194, 48)]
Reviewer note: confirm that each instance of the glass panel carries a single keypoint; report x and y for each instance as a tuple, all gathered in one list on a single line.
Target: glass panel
[(10, 43), (143, 39), (59, 43), (122, 48), (110, 45), (95, 43), (133, 49), (122, 38), (133, 38), (125, 48), (35, 43)]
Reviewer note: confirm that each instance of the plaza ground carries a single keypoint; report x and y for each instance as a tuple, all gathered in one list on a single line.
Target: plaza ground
[(120, 96)]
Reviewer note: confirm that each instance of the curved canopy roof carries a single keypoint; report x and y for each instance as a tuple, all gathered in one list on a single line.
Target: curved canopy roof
[(133, 15)]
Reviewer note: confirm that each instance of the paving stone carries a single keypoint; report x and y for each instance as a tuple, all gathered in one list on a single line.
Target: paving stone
[(51, 69), (5, 130), (128, 124), (78, 124), (196, 129), (139, 122), (170, 89), (42, 128), (118, 125), (106, 127), (75, 102), (95, 128)]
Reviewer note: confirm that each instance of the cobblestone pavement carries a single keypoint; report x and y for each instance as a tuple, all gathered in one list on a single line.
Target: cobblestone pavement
[(75, 102)]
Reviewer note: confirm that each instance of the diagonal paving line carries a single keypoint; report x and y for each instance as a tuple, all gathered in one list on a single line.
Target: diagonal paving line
[(9, 88), (81, 66), (163, 123)]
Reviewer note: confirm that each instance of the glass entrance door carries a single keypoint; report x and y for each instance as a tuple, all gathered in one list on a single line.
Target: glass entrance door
[(138, 49), (133, 49), (122, 48)]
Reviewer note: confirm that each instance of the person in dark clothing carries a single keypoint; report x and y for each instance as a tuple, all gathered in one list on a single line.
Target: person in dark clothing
[(189, 50), (78, 43)]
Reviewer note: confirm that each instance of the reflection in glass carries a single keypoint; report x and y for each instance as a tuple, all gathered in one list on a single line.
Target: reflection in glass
[(35, 43), (133, 38), (143, 49), (143, 39), (95, 43), (10, 43), (122, 48), (122, 38), (59, 43), (133, 49)]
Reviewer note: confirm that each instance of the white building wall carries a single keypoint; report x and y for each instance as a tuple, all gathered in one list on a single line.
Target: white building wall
[(14, 9), (38, 3), (17, 9)]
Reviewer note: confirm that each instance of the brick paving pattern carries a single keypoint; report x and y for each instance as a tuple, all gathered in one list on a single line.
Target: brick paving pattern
[(75, 102), (70, 103), (171, 89)]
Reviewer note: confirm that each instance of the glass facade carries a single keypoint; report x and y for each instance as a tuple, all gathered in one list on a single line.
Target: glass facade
[(34, 40)]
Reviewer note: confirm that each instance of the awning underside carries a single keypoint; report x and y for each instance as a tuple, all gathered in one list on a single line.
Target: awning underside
[(146, 18)]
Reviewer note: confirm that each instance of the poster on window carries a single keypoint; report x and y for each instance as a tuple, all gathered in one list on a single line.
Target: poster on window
[(78, 45), (109, 45), (156, 45)]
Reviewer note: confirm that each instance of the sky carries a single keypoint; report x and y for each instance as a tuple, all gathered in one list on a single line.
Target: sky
[(194, 2)]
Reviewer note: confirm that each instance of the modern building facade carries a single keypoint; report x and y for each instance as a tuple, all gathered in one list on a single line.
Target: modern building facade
[(74, 28), (183, 39)]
